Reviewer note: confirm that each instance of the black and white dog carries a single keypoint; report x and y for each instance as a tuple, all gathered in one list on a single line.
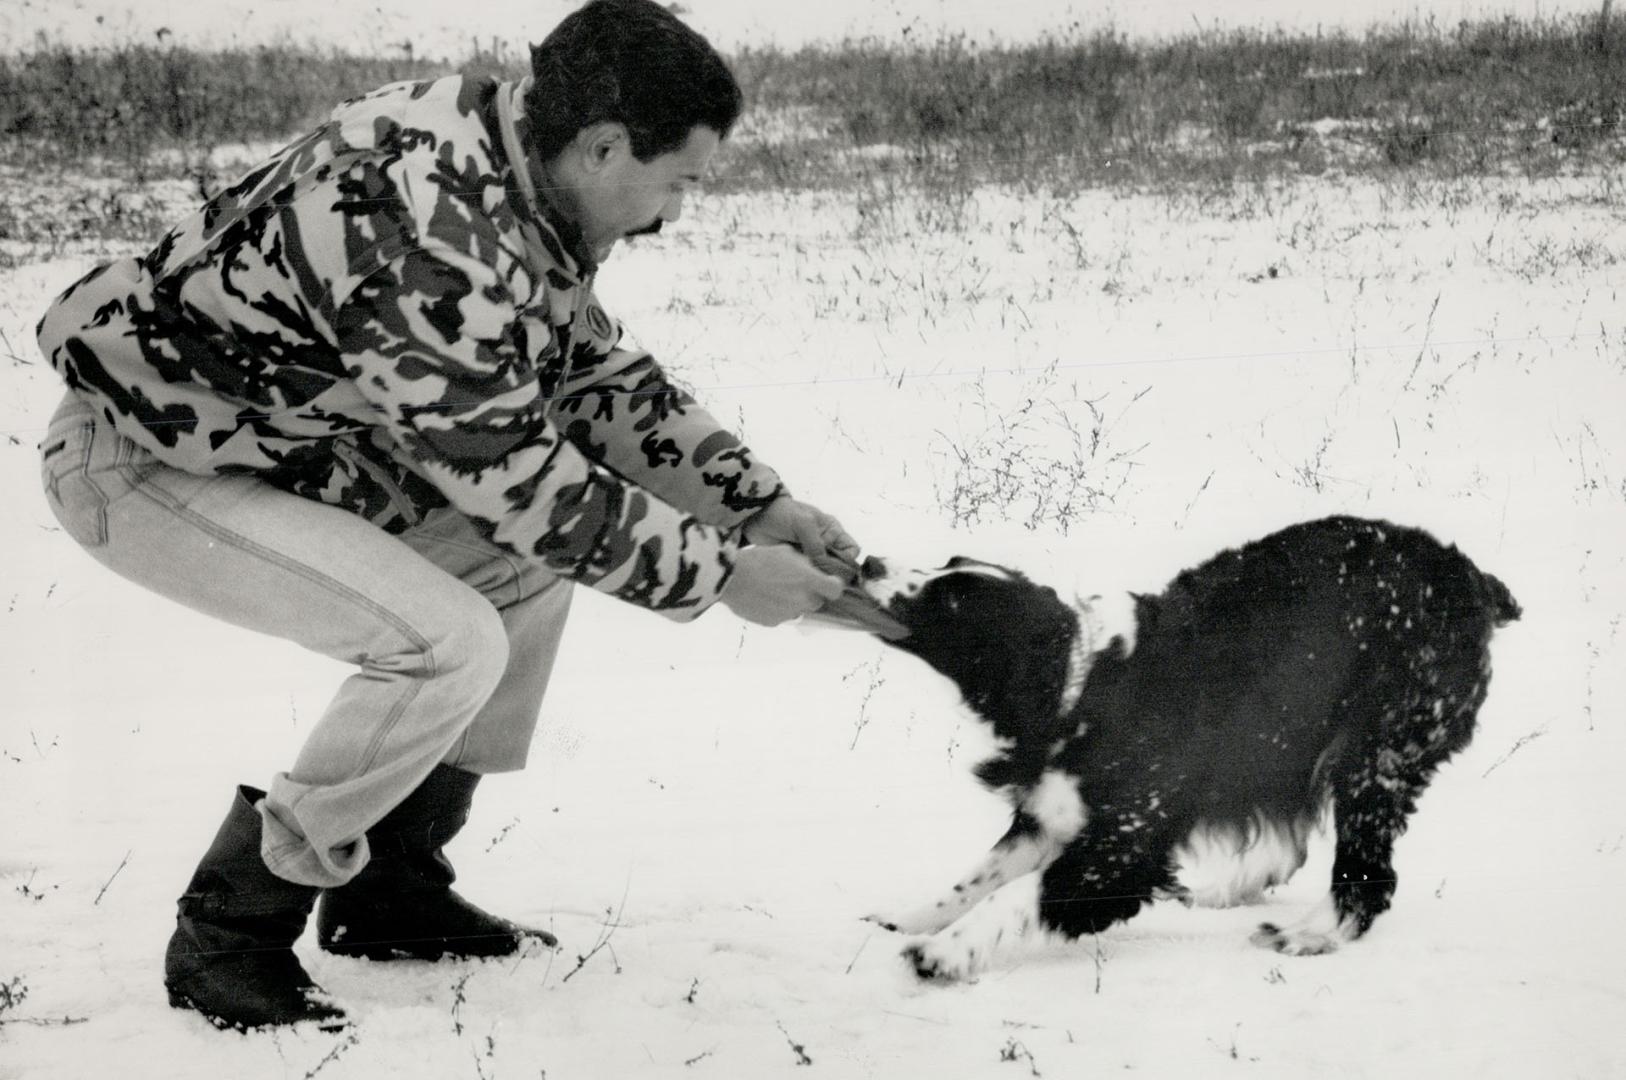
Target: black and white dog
[(1331, 666)]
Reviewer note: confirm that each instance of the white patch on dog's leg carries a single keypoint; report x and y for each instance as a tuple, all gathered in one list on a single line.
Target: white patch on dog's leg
[(997, 925), (1320, 931), (1055, 807), (1006, 862)]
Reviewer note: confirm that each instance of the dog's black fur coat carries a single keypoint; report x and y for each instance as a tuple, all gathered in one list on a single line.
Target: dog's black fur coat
[(1339, 661)]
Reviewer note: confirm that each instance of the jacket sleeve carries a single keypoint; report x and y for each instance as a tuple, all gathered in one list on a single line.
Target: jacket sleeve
[(620, 406), (456, 357)]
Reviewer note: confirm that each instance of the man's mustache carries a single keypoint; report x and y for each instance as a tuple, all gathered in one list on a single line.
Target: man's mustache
[(648, 230)]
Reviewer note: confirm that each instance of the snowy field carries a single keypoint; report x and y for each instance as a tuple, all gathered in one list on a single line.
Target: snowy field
[(1101, 390)]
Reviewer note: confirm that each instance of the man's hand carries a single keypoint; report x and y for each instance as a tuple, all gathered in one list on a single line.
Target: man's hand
[(775, 584), (816, 534)]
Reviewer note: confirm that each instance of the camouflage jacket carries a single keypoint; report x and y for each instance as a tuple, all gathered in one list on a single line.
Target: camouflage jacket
[(384, 317)]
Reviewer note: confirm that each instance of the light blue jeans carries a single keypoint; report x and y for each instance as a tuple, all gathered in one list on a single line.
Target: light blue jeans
[(453, 639)]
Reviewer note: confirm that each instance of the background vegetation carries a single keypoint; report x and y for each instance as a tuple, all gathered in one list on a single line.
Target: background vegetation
[(1078, 108)]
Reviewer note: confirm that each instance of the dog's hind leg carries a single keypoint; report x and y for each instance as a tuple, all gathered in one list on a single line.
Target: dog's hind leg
[(1363, 881), (1371, 802), (1375, 787)]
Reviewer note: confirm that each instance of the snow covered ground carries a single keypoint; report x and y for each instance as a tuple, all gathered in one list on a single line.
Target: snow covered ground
[(1100, 389)]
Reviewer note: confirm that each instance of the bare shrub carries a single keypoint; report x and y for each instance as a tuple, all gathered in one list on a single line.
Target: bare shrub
[(1044, 462)]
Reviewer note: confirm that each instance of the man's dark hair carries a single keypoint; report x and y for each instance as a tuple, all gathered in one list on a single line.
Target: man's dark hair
[(632, 62)]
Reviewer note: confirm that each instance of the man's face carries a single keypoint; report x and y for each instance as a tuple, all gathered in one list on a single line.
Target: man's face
[(622, 196)]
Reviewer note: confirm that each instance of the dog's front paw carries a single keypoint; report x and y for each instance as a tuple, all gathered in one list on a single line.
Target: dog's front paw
[(943, 959)]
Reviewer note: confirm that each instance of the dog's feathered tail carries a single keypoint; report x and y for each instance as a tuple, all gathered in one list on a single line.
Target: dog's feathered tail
[(1504, 609)]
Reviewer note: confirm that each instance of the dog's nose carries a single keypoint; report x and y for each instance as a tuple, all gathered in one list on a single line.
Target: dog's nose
[(872, 568)]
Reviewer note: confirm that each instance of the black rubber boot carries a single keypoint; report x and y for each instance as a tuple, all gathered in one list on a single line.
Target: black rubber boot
[(231, 957), (401, 906)]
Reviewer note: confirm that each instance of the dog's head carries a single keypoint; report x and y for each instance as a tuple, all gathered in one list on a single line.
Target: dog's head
[(1004, 640)]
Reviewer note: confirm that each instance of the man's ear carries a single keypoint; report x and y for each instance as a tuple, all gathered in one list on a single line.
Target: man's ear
[(603, 144)]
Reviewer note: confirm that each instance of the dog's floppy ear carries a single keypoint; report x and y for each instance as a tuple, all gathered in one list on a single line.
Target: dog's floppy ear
[(1028, 704), (1027, 711)]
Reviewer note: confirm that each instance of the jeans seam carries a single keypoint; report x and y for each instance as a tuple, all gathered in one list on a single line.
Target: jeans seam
[(124, 464), (83, 469), (166, 499), (393, 716)]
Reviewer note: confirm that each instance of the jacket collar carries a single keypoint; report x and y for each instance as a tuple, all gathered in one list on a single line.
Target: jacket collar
[(558, 237)]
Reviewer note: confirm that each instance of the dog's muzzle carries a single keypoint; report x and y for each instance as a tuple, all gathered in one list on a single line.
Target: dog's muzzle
[(885, 585), (857, 608)]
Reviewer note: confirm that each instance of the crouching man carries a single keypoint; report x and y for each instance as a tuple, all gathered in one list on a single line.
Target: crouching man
[(366, 400)]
